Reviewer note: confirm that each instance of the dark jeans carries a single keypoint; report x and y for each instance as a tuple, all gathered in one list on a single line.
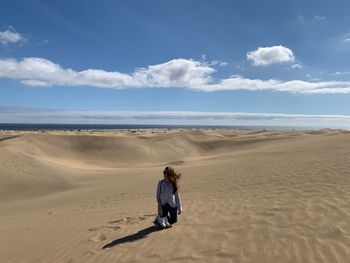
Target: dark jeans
[(170, 213)]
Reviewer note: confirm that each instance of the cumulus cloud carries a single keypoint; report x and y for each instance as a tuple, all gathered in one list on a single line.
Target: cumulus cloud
[(43, 72), (176, 73), (10, 36), (264, 56)]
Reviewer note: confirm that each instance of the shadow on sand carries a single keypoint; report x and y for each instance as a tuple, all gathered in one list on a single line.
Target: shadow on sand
[(133, 237)]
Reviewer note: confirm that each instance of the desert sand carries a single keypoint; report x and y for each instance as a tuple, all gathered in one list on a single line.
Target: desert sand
[(248, 196)]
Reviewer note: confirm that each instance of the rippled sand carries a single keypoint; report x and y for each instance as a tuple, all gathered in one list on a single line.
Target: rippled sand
[(248, 196)]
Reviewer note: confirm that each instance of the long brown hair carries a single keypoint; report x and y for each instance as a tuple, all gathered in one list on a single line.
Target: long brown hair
[(173, 177)]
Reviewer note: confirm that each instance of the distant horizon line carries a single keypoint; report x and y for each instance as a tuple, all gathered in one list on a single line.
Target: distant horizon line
[(27, 115), (15, 126)]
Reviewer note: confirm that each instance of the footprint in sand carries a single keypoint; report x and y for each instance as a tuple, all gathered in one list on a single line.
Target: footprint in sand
[(93, 229), (128, 219), (89, 253), (113, 228), (115, 221), (150, 215), (131, 219), (125, 220), (98, 238)]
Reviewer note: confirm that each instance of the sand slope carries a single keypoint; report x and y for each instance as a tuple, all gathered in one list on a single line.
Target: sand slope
[(249, 196)]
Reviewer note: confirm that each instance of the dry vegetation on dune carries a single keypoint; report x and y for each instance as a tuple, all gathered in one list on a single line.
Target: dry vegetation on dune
[(248, 196)]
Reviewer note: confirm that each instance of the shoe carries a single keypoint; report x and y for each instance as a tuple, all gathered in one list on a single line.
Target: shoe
[(167, 224), (161, 221)]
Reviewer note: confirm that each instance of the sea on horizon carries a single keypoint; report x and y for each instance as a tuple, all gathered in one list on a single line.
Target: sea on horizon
[(83, 127)]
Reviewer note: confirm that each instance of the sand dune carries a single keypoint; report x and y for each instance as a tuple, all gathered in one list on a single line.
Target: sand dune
[(249, 196)]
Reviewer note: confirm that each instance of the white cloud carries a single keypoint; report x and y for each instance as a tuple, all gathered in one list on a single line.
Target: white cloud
[(264, 56), (176, 73), (35, 83), (296, 66), (213, 62), (310, 19), (218, 63), (338, 73), (317, 17), (294, 86), (240, 67), (10, 36), (43, 43), (300, 18), (342, 40)]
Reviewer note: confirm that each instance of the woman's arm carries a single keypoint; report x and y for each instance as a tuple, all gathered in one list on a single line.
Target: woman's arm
[(178, 202), (158, 192), (160, 211)]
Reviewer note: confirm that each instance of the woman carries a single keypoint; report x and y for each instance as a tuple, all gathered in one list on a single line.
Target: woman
[(168, 198)]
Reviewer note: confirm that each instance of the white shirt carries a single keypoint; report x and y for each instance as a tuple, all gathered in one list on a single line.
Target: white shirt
[(165, 194)]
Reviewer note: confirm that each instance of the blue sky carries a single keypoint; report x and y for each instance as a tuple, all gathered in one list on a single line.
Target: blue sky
[(270, 57)]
